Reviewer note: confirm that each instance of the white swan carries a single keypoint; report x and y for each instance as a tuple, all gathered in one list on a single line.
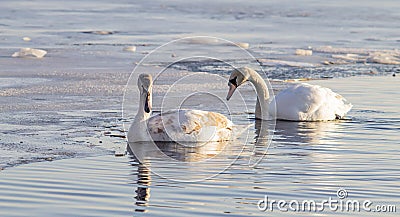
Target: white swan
[(300, 102), (175, 125)]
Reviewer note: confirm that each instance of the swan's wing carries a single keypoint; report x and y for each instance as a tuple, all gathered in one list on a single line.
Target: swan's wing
[(308, 102), (290, 103), (190, 126), (326, 104)]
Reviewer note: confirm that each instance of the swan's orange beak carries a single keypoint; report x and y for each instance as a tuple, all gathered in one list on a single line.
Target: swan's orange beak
[(232, 89), (148, 104)]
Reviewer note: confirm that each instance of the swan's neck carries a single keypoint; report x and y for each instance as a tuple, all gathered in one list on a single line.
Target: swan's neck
[(262, 96), (138, 130)]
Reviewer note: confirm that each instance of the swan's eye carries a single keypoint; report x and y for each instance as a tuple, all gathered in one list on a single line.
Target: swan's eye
[(233, 81)]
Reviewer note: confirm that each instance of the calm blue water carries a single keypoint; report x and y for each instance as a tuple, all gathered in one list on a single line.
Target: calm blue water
[(68, 106)]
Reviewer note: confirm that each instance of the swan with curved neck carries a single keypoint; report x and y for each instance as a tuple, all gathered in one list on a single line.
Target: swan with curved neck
[(300, 102), (175, 125)]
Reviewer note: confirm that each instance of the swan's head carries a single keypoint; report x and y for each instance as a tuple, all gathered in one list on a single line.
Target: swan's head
[(238, 77), (145, 85)]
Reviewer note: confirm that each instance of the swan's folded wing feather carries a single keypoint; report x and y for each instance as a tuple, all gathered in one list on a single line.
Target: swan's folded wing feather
[(308, 102), (189, 126)]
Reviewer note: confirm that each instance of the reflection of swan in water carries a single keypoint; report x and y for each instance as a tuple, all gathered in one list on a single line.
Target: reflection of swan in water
[(187, 153), (289, 133), (300, 102), (184, 152), (175, 125), (143, 190), (143, 183)]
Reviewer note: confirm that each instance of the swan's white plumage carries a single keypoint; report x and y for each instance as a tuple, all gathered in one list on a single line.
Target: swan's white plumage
[(189, 126), (306, 102)]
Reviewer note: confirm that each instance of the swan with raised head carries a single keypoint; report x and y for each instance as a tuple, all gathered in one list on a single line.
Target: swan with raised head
[(300, 102), (175, 125)]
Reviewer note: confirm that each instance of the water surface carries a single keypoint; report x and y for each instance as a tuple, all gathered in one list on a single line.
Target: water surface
[(304, 161)]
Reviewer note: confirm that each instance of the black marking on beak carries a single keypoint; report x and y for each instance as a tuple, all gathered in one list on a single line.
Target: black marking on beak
[(232, 87), (147, 107), (233, 81), (146, 104)]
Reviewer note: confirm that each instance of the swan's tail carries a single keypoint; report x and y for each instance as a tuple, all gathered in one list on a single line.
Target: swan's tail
[(343, 108), (238, 130)]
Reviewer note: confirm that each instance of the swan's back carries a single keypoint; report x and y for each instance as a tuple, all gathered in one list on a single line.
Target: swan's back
[(190, 126), (306, 102)]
